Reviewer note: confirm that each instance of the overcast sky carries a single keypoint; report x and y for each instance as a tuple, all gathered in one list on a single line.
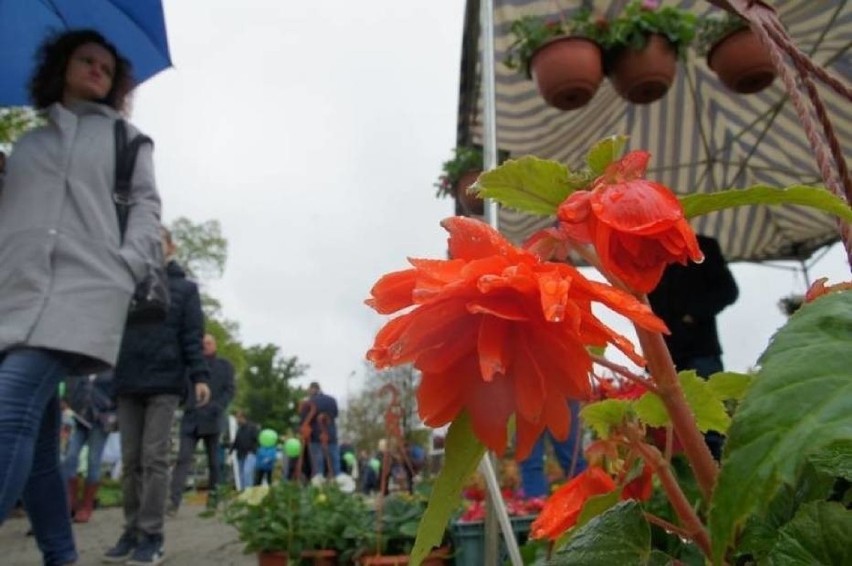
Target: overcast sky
[(313, 132)]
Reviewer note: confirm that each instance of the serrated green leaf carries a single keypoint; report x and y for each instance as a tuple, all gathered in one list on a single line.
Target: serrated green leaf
[(531, 184), (762, 530), (462, 454), (835, 459), (820, 533), (708, 409), (815, 197), (603, 415), (651, 410), (800, 402), (620, 535), (596, 505), (605, 152), (729, 385)]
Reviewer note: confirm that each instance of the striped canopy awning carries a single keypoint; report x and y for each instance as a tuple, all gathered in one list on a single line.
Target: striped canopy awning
[(702, 137)]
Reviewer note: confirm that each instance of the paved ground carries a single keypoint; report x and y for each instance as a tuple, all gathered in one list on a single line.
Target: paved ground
[(190, 540)]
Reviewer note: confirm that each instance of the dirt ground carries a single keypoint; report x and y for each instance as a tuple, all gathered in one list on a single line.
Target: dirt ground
[(190, 540)]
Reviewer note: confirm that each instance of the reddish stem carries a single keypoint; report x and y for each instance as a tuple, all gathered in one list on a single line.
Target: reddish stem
[(668, 388), (626, 373), (694, 528)]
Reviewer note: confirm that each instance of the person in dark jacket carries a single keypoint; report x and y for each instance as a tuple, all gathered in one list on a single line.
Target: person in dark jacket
[(154, 362), (204, 423), (91, 400), (320, 414), (245, 445), (688, 298)]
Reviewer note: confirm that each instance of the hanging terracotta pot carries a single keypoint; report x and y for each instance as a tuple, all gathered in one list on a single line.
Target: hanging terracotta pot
[(272, 558), (438, 557), (380, 560), (742, 62), (470, 204), (645, 76), (567, 71)]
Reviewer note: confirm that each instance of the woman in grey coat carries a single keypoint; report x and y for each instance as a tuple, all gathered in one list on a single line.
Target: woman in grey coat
[(66, 279)]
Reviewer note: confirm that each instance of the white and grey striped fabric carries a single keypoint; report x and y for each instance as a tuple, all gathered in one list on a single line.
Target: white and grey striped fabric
[(702, 137)]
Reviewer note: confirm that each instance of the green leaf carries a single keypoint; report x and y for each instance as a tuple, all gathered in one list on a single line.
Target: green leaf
[(794, 408), (462, 454), (651, 410), (835, 459), (604, 415), (620, 535), (815, 197), (596, 505), (708, 409), (534, 185), (729, 385), (820, 533), (605, 152)]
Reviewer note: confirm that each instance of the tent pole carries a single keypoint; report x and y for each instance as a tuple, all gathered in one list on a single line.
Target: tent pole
[(496, 507)]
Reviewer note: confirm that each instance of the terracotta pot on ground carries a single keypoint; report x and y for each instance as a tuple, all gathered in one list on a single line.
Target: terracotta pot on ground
[(567, 71), (646, 75), (272, 558), (470, 204), (438, 557), (400, 560), (742, 62), (321, 557)]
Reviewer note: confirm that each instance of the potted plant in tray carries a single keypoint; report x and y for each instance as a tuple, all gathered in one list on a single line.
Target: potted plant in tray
[(458, 174), (267, 520), (562, 56), (734, 53), (643, 44)]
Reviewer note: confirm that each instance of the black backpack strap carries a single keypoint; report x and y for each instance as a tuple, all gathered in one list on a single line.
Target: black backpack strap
[(125, 162)]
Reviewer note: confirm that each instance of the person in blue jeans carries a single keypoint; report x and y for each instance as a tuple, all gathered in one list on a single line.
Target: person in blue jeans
[(90, 397), (67, 277), (533, 478), (319, 414)]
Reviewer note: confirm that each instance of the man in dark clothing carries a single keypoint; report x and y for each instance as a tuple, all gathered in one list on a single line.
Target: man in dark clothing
[(688, 298), (245, 445), (154, 363), (204, 423), (319, 414)]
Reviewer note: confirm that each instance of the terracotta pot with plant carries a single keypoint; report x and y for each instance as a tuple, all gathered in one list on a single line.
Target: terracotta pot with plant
[(643, 45), (734, 53), (562, 56), (458, 174)]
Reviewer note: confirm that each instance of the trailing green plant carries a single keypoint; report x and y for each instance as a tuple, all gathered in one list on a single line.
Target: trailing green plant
[(631, 28), (712, 28), (465, 159), (531, 32)]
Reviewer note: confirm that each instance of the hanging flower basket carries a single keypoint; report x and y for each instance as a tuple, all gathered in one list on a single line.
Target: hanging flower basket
[(567, 71), (742, 62), (645, 75)]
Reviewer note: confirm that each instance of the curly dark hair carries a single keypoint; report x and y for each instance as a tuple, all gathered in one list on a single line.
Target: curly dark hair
[(47, 84)]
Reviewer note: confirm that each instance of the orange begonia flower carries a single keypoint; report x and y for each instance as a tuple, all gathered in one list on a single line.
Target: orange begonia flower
[(641, 487), (820, 289), (637, 226), (563, 508), (496, 331)]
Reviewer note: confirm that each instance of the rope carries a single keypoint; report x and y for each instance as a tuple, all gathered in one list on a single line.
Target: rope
[(764, 21)]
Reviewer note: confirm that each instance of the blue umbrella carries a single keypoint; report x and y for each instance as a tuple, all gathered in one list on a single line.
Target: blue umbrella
[(136, 27)]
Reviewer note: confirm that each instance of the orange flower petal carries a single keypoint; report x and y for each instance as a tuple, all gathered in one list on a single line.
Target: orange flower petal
[(563, 508), (392, 292)]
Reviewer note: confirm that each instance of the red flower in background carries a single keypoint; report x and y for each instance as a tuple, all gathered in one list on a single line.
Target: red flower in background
[(495, 331), (562, 509), (642, 487), (637, 226)]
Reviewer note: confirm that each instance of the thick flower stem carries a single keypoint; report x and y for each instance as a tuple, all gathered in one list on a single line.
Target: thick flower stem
[(680, 504), (668, 388)]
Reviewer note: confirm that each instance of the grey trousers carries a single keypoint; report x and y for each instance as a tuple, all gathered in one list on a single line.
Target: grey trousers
[(145, 425), (185, 460)]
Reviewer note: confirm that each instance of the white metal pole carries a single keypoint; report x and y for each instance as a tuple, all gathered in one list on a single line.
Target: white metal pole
[(489, 150)]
